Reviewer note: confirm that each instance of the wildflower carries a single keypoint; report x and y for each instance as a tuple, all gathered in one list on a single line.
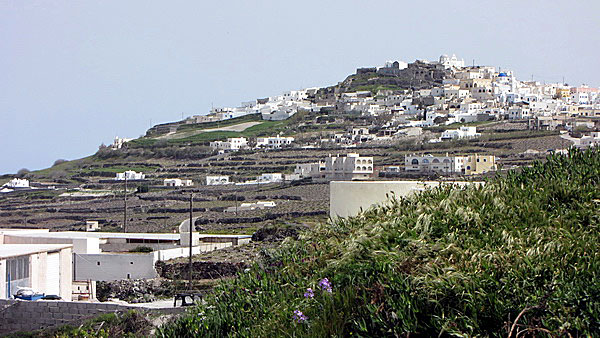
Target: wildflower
[(325, 285), (299, 316), (309, 293)]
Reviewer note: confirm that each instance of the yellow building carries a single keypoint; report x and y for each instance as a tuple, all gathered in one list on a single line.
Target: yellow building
[(563, 93), (479, 164)]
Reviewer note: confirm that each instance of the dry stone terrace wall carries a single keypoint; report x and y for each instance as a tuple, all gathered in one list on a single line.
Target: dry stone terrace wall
[(17, 315)]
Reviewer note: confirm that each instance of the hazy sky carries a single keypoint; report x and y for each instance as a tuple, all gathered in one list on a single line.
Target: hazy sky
[(74, 74)]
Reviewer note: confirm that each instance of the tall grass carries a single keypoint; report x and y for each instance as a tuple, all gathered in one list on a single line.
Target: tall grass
[(518, 256)]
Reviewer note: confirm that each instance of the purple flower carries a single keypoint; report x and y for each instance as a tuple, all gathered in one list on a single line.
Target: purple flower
[(309, 293), (299, 317), (325, 285)]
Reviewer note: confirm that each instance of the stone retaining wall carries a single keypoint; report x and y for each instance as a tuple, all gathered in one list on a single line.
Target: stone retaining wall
[(17, 315)]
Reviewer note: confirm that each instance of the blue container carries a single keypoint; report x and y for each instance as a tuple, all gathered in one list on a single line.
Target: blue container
[(32, 297)]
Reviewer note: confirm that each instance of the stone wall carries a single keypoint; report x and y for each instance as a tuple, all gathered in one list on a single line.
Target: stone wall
[(17, 315)]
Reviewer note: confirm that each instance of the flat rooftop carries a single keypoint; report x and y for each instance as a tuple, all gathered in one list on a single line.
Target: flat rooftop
[(15, 250), (121, 235)]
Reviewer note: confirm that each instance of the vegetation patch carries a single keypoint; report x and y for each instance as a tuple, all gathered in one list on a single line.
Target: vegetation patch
[(518, 256)]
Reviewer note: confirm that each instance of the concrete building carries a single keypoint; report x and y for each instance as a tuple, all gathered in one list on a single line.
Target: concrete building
[(17, 183), (273, 142), (43, 268), (479, 164), (119, 142), (130, 175), (270, 178), (91, 226), (310, 169), (434, 164), (349, 167), (232, 144), (452, 61), (217, 180), (461, 133), (350, 198), (176, 182), (467, 165), (104, 256)]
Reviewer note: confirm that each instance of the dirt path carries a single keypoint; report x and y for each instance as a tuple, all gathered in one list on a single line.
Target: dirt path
[(236, 128)]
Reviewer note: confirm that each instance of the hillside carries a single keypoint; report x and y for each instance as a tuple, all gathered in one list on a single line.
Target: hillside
[(516, 257)]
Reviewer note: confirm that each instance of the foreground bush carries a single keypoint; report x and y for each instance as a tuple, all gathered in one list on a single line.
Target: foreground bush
[(518, 256)]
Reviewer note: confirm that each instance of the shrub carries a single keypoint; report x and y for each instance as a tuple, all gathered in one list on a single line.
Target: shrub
[(141, 249), (520, 252)]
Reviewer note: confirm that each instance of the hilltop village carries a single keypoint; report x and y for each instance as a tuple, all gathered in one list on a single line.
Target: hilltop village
[(117, 221)]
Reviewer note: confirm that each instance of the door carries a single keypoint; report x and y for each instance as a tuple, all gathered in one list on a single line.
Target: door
[(53, 274)]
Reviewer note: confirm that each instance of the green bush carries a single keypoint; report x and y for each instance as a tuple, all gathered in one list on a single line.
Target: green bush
[(518, 255), (141, 248)]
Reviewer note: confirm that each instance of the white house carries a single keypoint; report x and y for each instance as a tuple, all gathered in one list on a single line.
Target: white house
[(217, 180), (42, 268), (17, 183), (461, 133), (232, 144), (273, 142), (430, 163), (309, 169), (270, 178), (177, 182), (130, 175)]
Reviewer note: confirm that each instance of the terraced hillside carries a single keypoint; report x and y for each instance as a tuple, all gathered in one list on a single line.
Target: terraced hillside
[(87, 190)]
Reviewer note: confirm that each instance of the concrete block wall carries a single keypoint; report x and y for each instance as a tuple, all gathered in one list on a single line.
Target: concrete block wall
[(17, 315)]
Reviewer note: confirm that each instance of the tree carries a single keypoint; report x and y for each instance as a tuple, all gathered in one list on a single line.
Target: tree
[(22, 172), (59, 161)]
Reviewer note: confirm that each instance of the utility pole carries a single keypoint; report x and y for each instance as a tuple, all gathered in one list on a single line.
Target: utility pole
[(236, 203), (125, 206), (191, 233)]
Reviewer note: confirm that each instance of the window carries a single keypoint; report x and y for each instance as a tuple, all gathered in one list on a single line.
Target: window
[(414, 161), (17, 274)]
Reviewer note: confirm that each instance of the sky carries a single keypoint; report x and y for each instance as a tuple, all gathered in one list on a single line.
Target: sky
[(75, 74)]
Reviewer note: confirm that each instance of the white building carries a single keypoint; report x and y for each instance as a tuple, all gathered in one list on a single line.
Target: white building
[(452, 61), (469, 165), (130, 175), (118, 142), (177, 182), (232, 144), (349, 167), (273, 142), (259, 205), (42, 268), (430, 163), (270, 178), (17, 183), (217, 180), (310, 169), (461, 133)]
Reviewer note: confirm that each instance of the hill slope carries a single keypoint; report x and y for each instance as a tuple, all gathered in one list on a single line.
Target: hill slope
[(518, 255)]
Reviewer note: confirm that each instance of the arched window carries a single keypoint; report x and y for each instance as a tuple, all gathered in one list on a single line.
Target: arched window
[(446, 160), (426, 161), (435, 161), (414, 161), (468, 167)]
